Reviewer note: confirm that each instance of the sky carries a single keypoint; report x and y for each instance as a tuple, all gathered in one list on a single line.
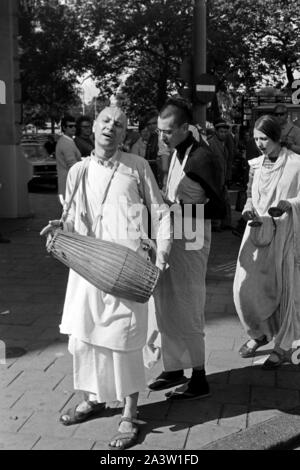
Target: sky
[(89, 89)]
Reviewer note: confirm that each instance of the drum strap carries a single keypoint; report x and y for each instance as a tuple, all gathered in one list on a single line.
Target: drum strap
[(79, 176)]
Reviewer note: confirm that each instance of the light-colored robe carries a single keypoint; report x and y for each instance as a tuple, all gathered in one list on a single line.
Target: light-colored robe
[(89, 314), (267, 279)]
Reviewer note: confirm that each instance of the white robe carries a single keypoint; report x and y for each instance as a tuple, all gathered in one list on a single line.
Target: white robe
[(267, 279), (89, 314)]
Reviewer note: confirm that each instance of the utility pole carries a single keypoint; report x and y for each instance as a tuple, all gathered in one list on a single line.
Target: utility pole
[(199, 56)]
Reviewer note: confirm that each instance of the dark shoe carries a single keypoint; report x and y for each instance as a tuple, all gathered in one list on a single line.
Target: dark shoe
[(246, 351), (271, 365), (72, 416), (167, 380), (128, 439)]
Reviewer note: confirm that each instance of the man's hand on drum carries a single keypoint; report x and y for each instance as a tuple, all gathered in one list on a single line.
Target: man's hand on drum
[(51, 227), (284, 205)]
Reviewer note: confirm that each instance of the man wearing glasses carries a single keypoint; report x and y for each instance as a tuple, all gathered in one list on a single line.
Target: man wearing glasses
[(84, 138), (290, 134), (66, 154), (194, 178)]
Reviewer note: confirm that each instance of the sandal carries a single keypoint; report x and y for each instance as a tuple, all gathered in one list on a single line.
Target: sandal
[(246, 351), (270, 365), (72, 416), (128, 439)]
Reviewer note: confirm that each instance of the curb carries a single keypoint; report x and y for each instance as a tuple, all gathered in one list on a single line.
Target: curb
[(279, 433)]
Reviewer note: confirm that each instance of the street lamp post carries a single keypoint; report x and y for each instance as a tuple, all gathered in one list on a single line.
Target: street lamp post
[(199, 55)]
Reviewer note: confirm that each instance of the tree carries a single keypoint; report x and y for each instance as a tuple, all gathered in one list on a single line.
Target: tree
[(52, 54)]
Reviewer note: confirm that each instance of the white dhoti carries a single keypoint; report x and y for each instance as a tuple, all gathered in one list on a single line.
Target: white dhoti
[(110, 375)]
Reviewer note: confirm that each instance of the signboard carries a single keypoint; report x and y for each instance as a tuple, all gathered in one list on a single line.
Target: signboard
[(296, 93), (205, 87)]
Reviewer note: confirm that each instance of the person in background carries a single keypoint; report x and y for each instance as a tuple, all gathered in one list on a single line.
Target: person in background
[(50, 145), (290, 134), (66, 154), (84, 137), (218, 145), (140, 146)]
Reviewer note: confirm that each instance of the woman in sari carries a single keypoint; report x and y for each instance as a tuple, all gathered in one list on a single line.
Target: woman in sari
[(266, 285)]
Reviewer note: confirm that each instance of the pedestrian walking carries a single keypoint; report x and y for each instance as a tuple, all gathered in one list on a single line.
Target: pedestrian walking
[(66, 154), (267, 278)]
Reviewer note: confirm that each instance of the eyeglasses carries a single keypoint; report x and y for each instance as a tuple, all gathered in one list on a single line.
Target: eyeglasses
[(71, 125), (163, 132), (280, 114)]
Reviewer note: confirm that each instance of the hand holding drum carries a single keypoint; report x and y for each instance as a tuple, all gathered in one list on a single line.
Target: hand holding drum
[(51, 227)]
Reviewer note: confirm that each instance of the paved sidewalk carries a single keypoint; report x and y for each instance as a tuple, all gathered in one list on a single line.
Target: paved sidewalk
[(37, 386)]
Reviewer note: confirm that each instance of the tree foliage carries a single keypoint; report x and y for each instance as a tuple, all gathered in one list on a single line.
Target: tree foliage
[(52, 54), (141, 43)]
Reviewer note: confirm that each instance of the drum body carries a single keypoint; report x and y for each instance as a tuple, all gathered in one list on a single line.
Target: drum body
[(115, 269)]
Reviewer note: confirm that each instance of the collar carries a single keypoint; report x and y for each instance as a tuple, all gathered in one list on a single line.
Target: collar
[(106, 162), (184, 145), (67, 137)]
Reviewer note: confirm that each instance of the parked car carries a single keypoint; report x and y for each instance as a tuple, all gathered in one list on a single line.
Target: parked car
[(44, 172)]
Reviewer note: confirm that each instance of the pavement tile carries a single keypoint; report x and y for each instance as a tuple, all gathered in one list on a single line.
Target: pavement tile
[(53, 333), (288, 379), (101, 428), (204, 434), (155, 407), (228, 358), (62, 364), (8, 398), (252, 376), (31, 379), (13, 441), (47, 423), (22, 332), (257, 415), (196, 411), (32, 360), (274, 397), (11, 421), (230, 393), (54, 443), (217, 377), (67, 384), (234, 415), (162, 435), (219, 342), (8, 375), (38, 400)]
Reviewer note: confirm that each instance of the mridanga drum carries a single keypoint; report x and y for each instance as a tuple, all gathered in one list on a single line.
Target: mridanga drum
[(114, 269)]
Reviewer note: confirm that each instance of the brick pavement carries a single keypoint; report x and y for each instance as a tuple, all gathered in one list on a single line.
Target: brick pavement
[(37, 386)]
